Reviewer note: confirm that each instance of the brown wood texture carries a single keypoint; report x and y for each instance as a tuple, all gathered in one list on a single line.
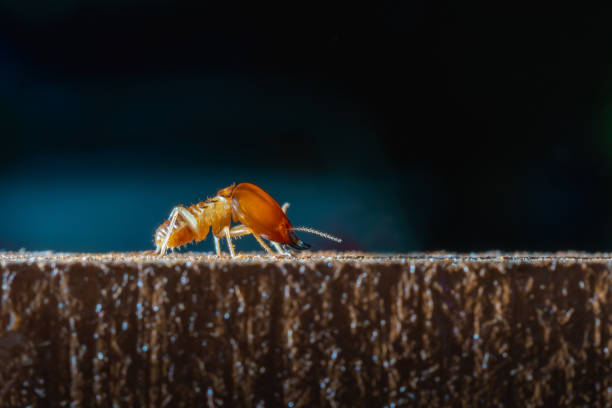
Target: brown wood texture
[(318, 330)]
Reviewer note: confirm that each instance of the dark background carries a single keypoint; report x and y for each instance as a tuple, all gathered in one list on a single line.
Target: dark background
[(399, 126)]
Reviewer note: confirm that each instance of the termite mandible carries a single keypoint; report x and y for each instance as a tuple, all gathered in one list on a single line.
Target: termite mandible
[(256, 211)]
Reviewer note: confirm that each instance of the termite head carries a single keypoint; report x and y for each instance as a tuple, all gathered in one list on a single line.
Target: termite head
[(257, 210)]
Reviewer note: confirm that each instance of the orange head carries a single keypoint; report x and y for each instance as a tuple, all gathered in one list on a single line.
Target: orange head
[(261, 213)]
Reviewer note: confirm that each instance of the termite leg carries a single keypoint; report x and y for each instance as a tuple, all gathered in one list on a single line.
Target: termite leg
[(226, 230), (217, 246), (239, 231), (173, 217), (189, 219), (262, 243), (280, 249)]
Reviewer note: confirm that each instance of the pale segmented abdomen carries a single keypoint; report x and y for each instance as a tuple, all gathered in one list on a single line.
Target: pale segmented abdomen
[(214, 212), (181, 232)]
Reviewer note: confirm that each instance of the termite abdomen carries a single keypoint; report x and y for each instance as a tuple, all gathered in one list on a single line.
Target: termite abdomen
[(180, 235)]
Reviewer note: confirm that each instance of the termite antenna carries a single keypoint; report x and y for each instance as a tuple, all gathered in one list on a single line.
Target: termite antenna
[(314, 231)]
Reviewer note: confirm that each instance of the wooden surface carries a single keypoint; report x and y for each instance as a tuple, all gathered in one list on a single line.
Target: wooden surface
[(320, 329)]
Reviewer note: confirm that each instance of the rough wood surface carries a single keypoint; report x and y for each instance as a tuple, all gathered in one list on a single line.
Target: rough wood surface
[(318, 330)]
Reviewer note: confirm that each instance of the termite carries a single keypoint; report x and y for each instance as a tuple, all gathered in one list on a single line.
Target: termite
[(256, 211)]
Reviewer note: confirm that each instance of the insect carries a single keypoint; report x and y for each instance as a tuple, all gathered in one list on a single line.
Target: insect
[(256, 211)]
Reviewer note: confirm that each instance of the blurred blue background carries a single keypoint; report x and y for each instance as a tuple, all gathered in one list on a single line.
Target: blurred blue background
[(396, 126)]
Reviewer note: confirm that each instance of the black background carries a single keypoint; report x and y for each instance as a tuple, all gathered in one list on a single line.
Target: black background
[(399, 126)]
